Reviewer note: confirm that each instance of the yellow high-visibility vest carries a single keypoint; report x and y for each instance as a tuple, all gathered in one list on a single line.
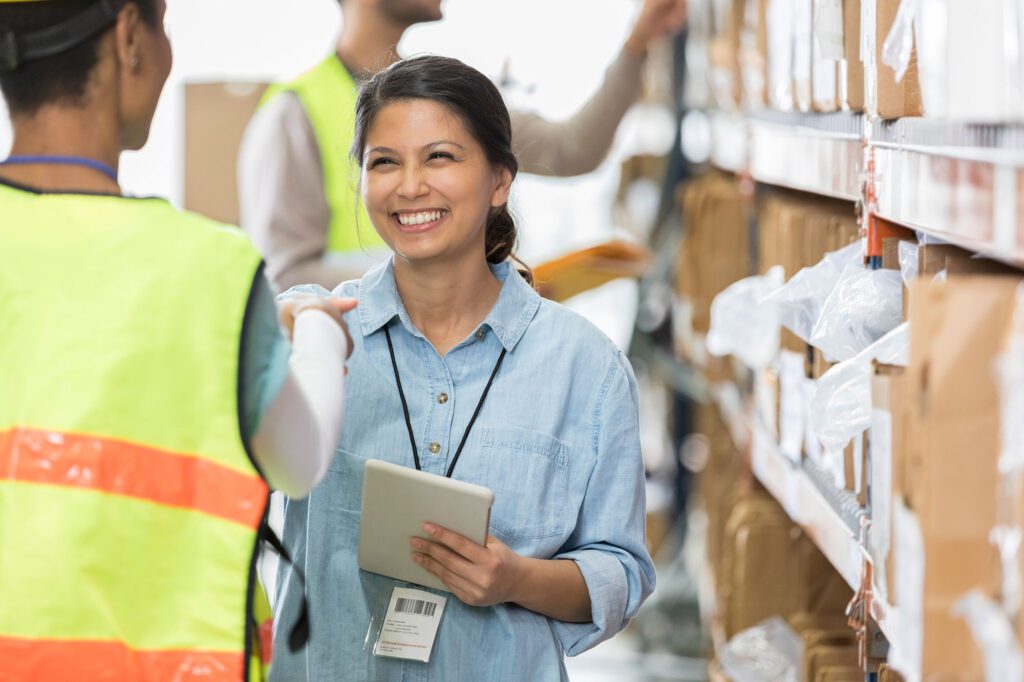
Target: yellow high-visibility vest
[(328, 94), (129, 505)]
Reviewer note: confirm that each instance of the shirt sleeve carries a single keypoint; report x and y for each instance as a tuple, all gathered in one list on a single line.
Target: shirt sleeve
[(609, 544), (579, 144), (282, 202), (265, 354)]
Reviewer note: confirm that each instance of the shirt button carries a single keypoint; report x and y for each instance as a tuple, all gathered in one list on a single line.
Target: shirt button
[(480, 333), (442, 398), (435, 448)]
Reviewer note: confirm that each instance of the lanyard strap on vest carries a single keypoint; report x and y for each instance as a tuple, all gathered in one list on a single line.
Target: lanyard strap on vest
[(405, 407)]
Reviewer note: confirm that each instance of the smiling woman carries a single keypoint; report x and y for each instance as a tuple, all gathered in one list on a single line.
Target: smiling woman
[(462, 370)]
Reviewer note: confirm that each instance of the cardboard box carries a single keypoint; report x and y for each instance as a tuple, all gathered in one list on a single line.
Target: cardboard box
[(887, 674), (895, 99), (216, 115), (853, 65), (723, 53), (887, 436), (779, 25), (754, 54), (953, 426), (803, 43), (757, 565), (983, 67), (826, 55), (819, 657), (716, 249), (841, 673)]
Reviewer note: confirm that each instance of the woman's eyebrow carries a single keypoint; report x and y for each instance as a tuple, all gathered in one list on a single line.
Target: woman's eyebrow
[(443, 142), (382, 150)]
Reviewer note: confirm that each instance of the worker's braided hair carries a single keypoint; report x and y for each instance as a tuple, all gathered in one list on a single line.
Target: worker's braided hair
[(472, 97), (61, 78)]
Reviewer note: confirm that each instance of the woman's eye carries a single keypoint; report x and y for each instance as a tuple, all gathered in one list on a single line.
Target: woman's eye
[(381, 162), (441, 155)]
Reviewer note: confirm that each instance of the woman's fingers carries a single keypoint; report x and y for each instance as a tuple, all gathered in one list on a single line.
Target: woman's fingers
[(459, 544), (462, 588), (453, 562)]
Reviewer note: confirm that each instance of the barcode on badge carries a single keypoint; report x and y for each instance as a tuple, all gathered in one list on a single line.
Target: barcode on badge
[(415, 606)]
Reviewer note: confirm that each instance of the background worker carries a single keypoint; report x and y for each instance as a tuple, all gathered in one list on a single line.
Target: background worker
[(297, 184), (147, 393)]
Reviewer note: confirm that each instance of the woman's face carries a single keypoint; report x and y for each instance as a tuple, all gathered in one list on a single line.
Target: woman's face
[(427, 183)]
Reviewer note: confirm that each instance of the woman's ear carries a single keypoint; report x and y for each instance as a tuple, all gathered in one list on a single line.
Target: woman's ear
[(503, 188), (127, 36)]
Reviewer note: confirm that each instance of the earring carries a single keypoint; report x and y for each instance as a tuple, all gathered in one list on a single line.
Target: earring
[(135, 62)]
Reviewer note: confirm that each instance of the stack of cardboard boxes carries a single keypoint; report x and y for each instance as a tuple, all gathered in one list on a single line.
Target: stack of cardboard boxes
[(957, 60), (932, 450), (936, 433)]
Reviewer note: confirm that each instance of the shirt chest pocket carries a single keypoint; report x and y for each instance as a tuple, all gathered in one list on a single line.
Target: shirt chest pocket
[(528, 472)]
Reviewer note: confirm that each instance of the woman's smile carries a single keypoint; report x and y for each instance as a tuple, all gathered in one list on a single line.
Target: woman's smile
[(418, 221)]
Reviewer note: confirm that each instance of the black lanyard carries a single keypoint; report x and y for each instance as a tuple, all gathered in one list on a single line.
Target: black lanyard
[(408, 421)]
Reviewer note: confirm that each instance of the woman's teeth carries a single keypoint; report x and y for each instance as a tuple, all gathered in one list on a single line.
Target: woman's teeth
[(420, 218)]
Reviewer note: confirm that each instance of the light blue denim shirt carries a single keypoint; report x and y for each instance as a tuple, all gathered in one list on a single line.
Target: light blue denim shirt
[(557, 441)]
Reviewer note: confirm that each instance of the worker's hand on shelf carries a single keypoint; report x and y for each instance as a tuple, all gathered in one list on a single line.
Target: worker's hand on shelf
[(334, 307), (657, 17)]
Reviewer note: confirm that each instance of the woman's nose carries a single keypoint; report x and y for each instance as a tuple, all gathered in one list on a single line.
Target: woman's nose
[(412, 185)]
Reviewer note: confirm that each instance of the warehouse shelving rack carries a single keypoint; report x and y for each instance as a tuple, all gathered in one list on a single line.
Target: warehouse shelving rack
[(958, 183)]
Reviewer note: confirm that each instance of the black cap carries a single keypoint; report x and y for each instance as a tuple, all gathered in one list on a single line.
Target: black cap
[(15, 50)]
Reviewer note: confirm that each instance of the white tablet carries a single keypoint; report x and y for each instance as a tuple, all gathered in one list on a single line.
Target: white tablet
[(397, 501)]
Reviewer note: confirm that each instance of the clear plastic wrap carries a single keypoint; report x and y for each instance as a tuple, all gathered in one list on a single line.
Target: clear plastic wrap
[(908, 261), (768, 652), (899, 44), (863, 306), (994, 635), (841, 406), (742, 324), (799, 300)]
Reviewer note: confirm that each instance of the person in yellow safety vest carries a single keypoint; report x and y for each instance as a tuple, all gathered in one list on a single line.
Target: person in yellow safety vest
[(148, 395), (296, 178)]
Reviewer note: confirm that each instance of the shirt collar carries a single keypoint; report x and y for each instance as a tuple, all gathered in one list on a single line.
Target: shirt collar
[(379, 303)]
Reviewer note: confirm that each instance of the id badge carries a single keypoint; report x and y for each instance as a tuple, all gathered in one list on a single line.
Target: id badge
[(409, 628)]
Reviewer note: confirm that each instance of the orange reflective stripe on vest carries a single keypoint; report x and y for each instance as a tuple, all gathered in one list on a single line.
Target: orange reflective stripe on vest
[(121, 468), (51, 661)]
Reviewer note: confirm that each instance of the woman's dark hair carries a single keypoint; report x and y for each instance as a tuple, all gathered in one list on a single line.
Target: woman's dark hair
[(60, 78), (472, 97)]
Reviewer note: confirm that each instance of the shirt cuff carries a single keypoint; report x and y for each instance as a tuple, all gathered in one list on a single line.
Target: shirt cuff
[(606, 582)]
